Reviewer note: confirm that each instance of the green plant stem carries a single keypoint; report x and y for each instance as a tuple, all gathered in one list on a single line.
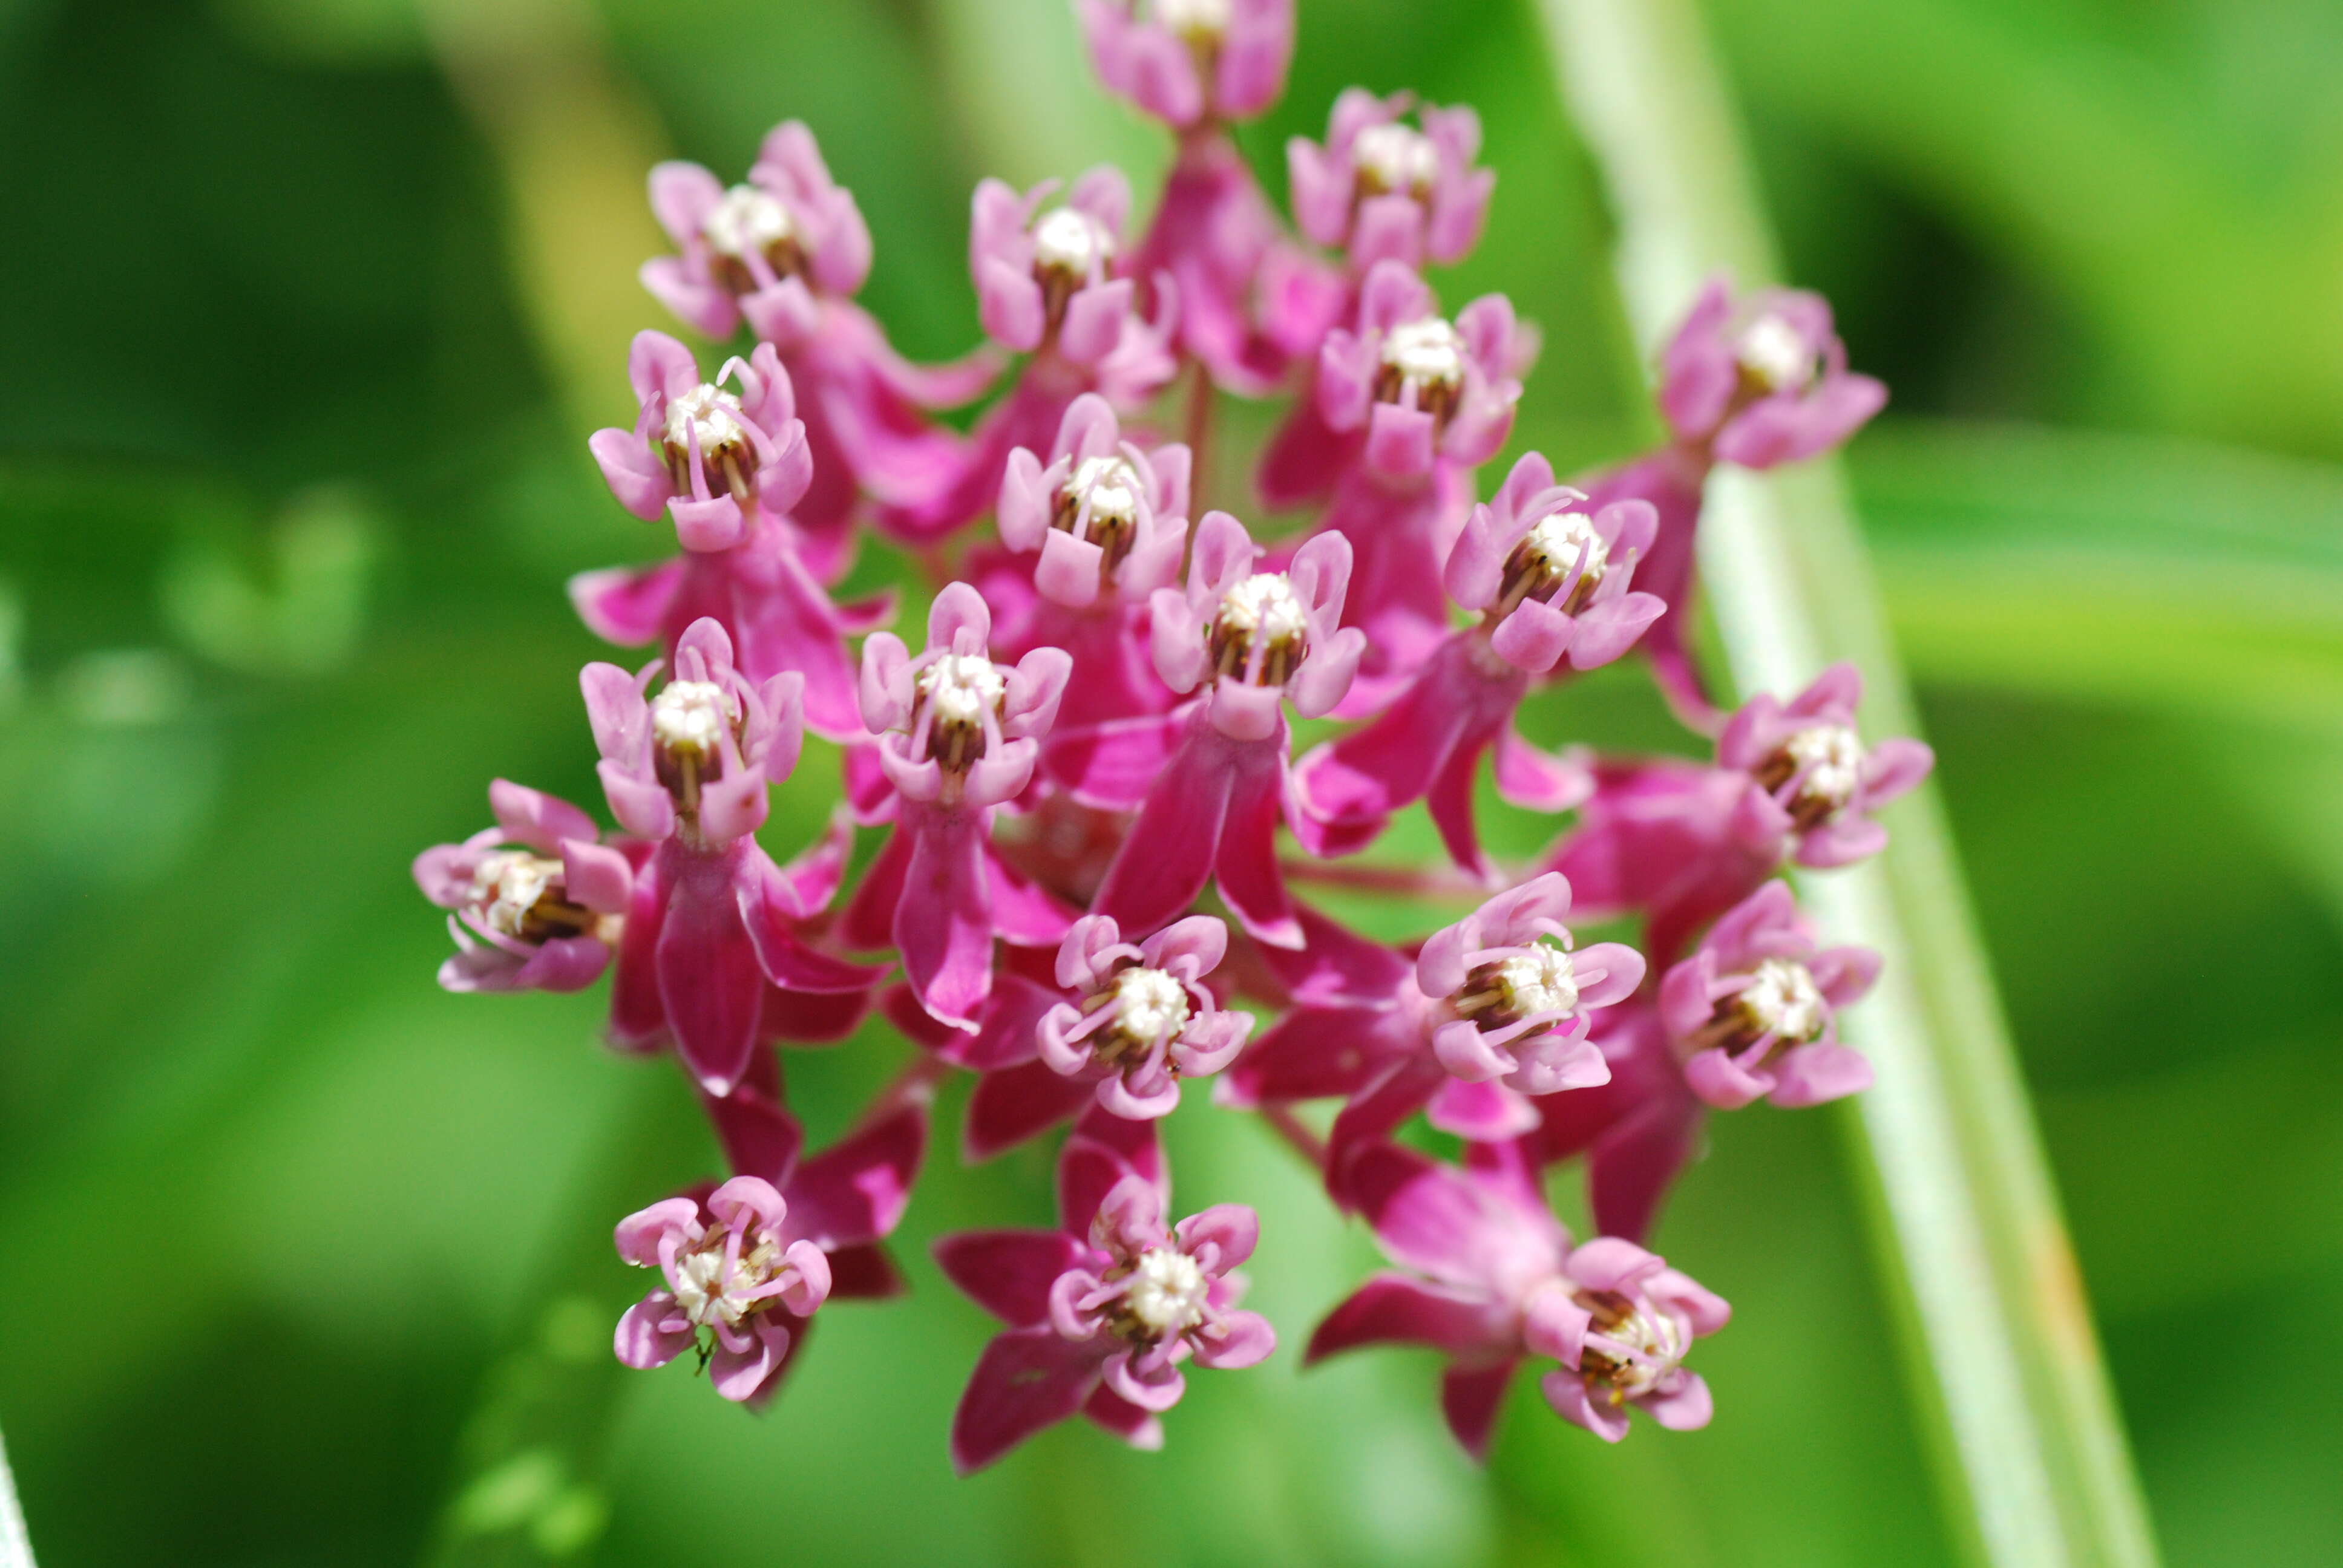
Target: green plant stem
[(2006, 1367), (15, 1547)]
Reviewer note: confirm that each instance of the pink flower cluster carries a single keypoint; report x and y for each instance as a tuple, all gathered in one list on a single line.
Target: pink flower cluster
[(1098, 728)]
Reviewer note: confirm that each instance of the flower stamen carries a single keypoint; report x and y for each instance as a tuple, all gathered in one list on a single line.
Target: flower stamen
[(1261, 634)]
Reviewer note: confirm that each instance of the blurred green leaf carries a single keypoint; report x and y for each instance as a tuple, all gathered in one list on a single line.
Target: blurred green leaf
[(2035, 1466), (2145, 572)]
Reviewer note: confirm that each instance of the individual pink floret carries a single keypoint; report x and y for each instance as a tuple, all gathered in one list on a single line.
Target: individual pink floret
[(1379, 188), (786, 250), (1108, 518), (1755, 1010), (727, 465), (537, 901), (1210, 779), (1550, 578), (1421, 386), (1049, 285), (1110, 1022), (742, 246), (1494, 1278), (1104, 1311), (732, 1278), (1493, 1013), (1792, 781), (1762, 380), (1758, 381), (1186, 62), (714, 954), (1411, 402), (708, 457), (957, 737), (1523, 999), (1810, 766)]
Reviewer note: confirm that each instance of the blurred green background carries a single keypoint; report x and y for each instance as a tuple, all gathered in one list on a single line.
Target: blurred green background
[(307, 303)]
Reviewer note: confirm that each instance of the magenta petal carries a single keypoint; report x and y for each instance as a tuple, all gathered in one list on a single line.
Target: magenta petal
[(1471, 1398), (1630, 1166), (1813, 1074), (740, 1375), (1246, 866), (854, 1191), (943, 923), (710, 983), (1238, 1340), (1567, 1394), (758, 1135), (640, 1341), (1393, 1309), (1004, 1034), (1023, 911), (640, 482), (1722, 1082), (1337, 967), (1170, 851), (1009, 1272), (638, 1021), (788, 962), (1112, 1413), (1314, 1053), (1453, 1225), (1026, 1379), (1110, 765), (1685, 1406), (1483, 1112), (1014, 1103), (625, 605)]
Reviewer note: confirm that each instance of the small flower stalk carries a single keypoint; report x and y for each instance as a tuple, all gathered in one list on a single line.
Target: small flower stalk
[(1069, 853)]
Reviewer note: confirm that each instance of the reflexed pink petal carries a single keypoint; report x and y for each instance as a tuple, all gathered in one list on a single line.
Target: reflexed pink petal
[(627, 605), (943, 923), (1240, 1340), (1337, 967), (1245, 867), (1012, 1104), (854, 1191), (1456, 1226), (1471, 1397), (1026, 1379), (1813, 1074), (1393, 1309), (1316, 1053), (1567, 1394), (637, 1236), (640, 1341), (1480, 1111), (1112, 1413), (758, 1135), (1170, 851), (709, 982), (1686, 1405), (1009, 1272)]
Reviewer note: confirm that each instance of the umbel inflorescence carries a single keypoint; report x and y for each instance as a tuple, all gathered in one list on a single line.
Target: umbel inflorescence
[(1096, 730)]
